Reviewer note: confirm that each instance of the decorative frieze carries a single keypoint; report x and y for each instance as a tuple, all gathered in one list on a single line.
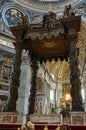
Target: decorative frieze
[(78, 117), (8, 117), (45, 118)]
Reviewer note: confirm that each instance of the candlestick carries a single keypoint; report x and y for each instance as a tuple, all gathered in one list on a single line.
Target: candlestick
[(61, 118)]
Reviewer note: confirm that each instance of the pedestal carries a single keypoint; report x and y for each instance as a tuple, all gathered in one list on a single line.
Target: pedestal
[(44, 118), (78, 118), (8, 117)]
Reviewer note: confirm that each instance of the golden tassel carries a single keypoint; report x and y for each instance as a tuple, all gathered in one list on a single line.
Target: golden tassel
[(18, 128), (58, 128), (45, 128)]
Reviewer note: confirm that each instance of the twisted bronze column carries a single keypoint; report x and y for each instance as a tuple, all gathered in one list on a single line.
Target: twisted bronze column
[(13, 92), (75, 74), (34, 67)]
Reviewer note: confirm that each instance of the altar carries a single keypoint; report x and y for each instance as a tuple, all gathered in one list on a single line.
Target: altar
[(49, 119)]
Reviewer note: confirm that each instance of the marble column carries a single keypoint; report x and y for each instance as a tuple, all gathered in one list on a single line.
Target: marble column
[(34, 67), (13, 91), (74, 74)]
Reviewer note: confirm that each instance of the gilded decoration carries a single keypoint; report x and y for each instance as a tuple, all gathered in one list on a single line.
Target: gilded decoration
[(66, 100), (49, 44), (59, 69)]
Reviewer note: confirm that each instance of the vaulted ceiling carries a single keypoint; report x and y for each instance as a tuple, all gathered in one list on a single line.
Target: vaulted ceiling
[(46, 5)]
